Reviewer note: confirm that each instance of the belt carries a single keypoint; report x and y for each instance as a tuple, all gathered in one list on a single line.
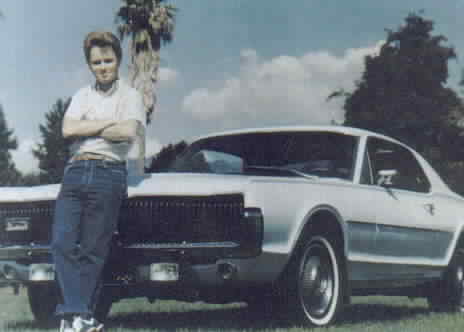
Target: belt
[(92, 156)]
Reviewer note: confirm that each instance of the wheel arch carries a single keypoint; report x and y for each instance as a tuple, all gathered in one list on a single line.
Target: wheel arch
[(324, 220)]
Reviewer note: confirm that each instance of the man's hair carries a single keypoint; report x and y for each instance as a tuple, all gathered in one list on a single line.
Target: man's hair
[(102, 39)]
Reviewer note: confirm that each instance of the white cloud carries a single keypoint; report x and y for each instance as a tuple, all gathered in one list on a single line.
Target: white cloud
[(281, 90), (23, 158), (168, 76)]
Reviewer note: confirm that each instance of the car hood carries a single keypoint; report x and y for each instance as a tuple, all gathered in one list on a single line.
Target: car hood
[(29, 194), (169, 184), (186, 184)]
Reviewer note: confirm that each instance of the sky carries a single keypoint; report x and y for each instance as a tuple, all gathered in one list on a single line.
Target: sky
[(232, 64)]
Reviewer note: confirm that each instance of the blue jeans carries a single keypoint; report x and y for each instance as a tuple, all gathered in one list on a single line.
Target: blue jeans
[(86, 215)]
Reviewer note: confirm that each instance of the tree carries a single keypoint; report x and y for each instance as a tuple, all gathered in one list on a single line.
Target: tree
[(9, 175), (166, 157), (53, 152), (149, 24), (30, 179), (402, 91)]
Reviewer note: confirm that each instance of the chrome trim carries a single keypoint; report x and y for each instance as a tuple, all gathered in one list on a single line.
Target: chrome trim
[(13, 271), (28, 251), (204, 245), (372, 272), (23, 251)]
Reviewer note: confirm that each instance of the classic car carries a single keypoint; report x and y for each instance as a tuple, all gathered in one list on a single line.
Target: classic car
[(296, 220)]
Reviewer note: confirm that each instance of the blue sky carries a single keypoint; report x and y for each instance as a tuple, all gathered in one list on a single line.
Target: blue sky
[(233, 64)]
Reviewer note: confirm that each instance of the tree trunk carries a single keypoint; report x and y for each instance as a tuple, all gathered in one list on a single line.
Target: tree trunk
[(143, 75)]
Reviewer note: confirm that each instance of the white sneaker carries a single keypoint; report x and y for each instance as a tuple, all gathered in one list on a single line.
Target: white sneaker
[(65, 326), (86, 325)]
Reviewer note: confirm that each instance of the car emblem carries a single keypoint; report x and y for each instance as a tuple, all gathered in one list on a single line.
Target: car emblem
[(17, 224)]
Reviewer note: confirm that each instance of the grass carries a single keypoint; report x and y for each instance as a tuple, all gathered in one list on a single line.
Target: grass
[(369, 314)]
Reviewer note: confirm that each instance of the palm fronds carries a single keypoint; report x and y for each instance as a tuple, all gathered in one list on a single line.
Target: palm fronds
[(149, 24), (146, 21)]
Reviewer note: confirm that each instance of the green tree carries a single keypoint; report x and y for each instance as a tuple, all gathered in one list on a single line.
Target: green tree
[(402, 91), (166, 157), (149, 24), (9, 175), (30, 179), (53, 152)]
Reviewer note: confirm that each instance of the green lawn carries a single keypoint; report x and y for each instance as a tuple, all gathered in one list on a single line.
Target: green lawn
[(376, 314)]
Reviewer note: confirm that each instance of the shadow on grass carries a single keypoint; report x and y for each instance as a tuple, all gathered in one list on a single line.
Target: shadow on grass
[(30, 325), (242, 318), (378, 313), (237, 319)]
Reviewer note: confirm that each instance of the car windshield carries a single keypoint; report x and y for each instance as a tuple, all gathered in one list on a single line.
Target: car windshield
[(316, 154)]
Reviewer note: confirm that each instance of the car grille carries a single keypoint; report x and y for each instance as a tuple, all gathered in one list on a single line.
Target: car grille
[(23, 223), (181, 219), (145, 221)]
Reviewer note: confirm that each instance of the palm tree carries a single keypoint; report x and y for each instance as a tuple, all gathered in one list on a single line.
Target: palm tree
[(149, 24)]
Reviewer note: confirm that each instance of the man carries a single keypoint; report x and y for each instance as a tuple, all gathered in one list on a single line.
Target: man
[(104, 120)]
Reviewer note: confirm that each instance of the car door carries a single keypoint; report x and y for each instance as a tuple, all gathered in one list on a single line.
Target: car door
[(409, 234)]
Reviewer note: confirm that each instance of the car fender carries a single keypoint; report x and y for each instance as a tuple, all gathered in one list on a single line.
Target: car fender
[(299, 232)]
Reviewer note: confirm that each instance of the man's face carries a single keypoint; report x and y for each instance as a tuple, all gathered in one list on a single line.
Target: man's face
[(104, 64)]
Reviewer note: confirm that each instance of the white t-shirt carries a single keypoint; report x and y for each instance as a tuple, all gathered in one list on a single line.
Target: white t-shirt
[(125, 103)]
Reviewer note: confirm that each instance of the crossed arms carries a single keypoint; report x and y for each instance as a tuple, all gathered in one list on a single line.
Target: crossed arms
[(116, 131)]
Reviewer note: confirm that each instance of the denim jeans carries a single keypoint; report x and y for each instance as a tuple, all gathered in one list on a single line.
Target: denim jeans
[(86, 215)]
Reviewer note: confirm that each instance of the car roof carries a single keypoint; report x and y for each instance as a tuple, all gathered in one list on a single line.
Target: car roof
[(437, 182), (328, 128)]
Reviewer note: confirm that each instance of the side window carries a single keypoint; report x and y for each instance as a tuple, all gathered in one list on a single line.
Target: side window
[(385, 155), (366, 171)]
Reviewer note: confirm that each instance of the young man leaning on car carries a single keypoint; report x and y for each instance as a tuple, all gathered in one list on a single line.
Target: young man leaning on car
[(104, 120)]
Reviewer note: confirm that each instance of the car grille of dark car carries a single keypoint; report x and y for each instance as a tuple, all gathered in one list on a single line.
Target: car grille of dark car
[(181, 219)]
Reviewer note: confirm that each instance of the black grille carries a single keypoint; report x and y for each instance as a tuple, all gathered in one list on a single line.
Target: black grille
[(145, 220), (181, 219), (38, 216)]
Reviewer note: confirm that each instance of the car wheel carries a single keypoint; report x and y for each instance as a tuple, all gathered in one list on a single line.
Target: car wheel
[(317, 286), (449, 295), (43, 299)]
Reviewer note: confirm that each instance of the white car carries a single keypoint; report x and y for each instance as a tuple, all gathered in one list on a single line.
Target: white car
[(298, 219)]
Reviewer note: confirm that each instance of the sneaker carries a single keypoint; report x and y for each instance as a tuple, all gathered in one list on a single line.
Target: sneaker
[(65, 326), (86, 325)]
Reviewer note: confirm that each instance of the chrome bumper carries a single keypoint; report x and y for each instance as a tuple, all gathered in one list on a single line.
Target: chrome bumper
[(11, 271), (225, 269), (210, 274), (15, 272), (23, 252)]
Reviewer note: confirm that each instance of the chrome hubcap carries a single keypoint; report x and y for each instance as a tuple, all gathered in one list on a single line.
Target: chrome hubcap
[(316, 281)]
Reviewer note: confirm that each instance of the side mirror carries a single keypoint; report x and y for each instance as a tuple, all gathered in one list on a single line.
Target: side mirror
[(385, 176)]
